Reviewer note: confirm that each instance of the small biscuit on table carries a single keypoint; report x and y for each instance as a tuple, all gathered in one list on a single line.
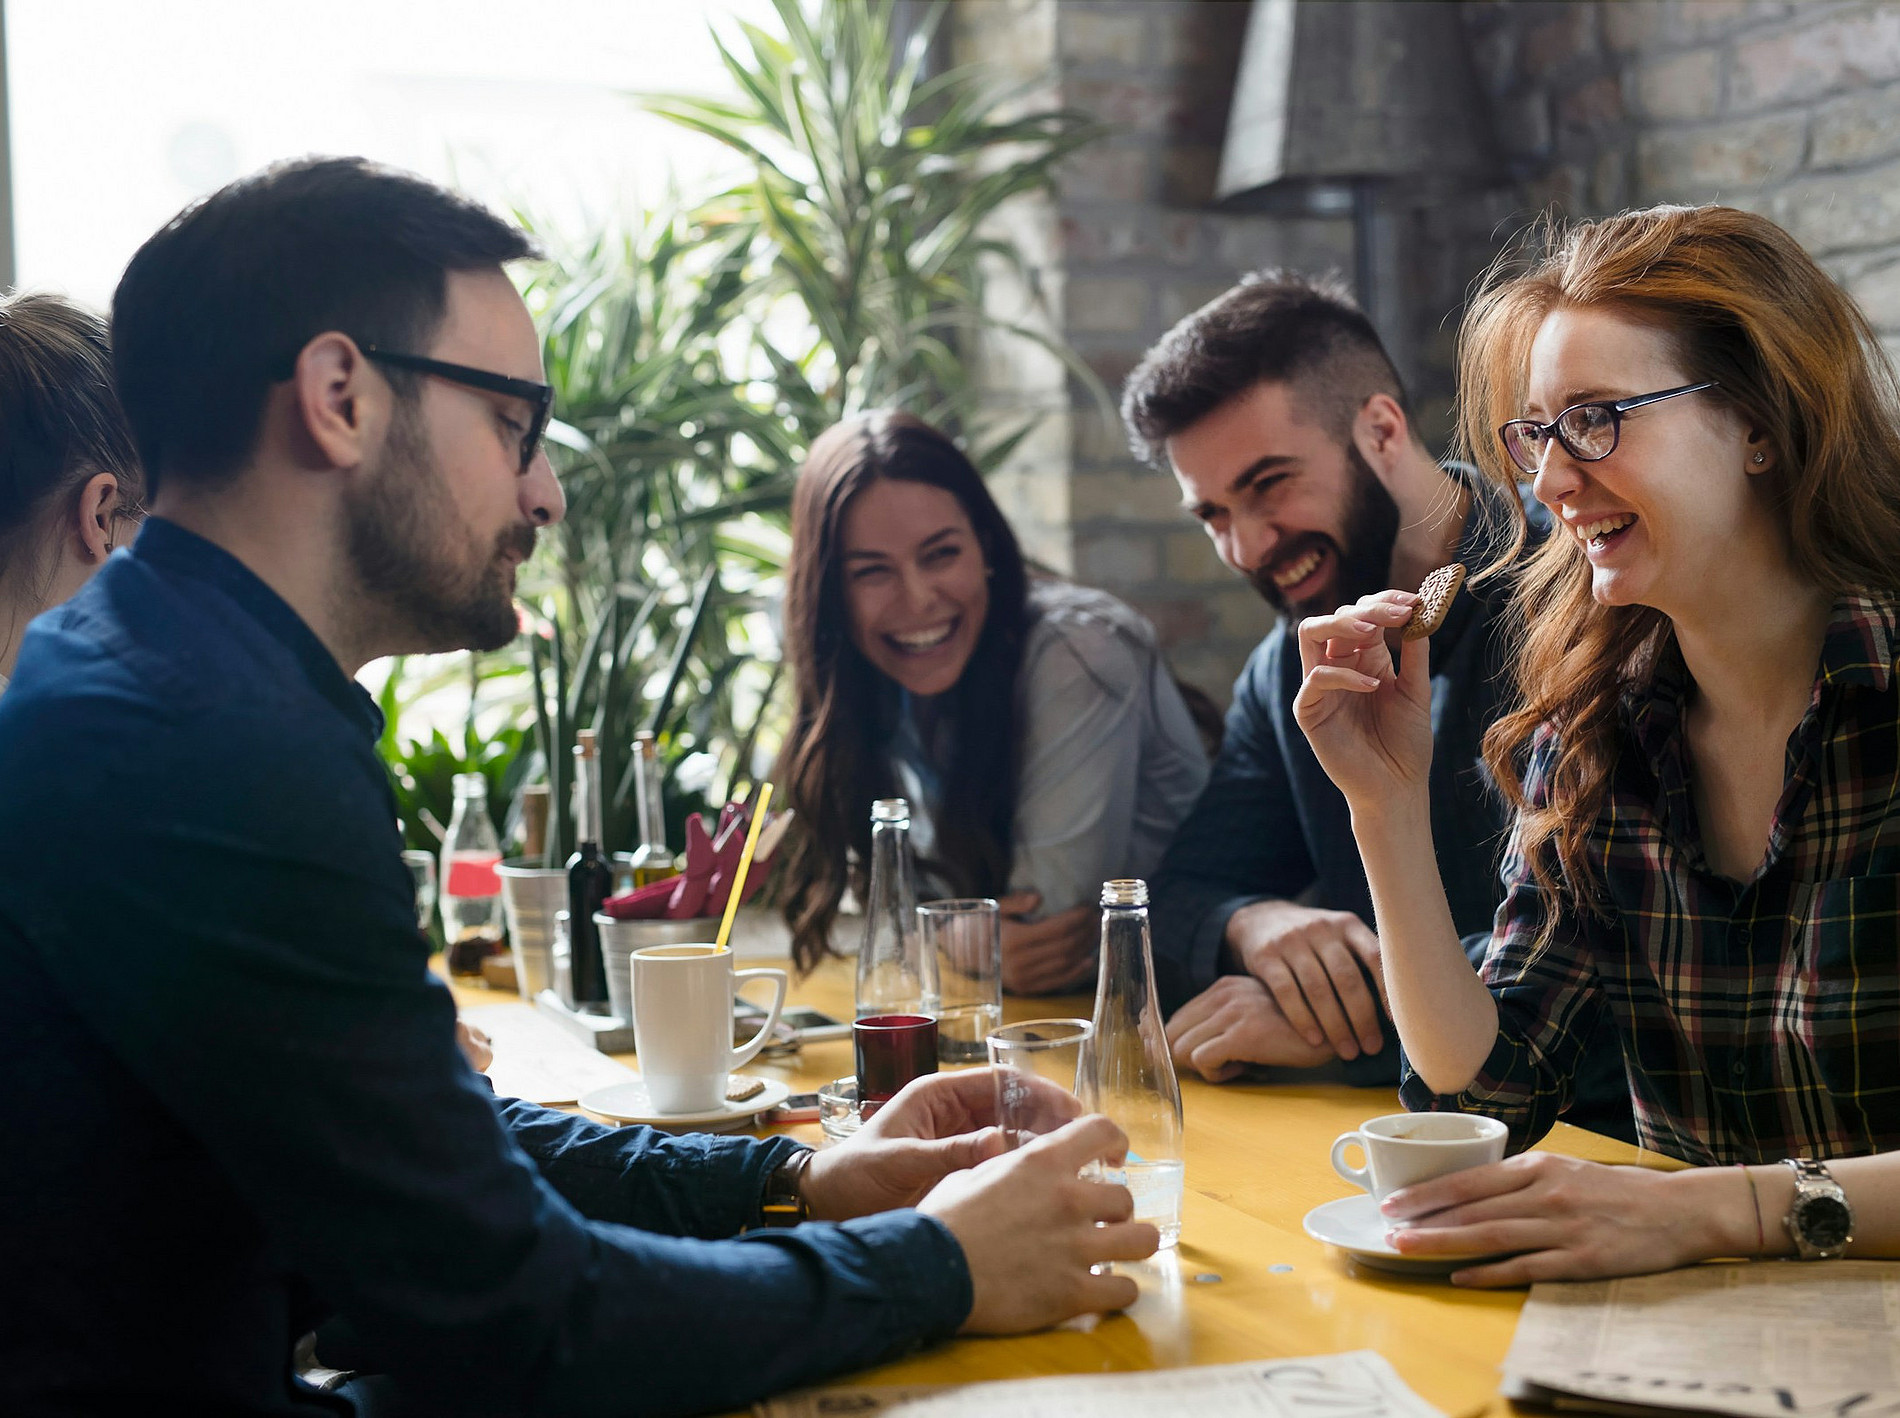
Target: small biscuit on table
[(739, 1088), (1435, 595)]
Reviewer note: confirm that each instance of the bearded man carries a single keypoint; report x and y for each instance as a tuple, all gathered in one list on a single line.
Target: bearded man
[(239, 1108), (1287, 428)]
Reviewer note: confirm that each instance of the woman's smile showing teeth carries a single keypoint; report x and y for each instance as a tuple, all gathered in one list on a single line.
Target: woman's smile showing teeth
[(921, 642), (1600, 533)]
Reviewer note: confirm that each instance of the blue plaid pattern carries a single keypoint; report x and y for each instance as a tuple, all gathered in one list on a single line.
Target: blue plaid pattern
[(1760, 1019)]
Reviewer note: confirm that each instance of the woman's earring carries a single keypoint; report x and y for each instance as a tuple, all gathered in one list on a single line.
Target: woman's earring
[(1760, 458)]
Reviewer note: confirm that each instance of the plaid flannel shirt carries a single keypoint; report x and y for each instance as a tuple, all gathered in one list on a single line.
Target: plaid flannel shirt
[(1758, 1019)]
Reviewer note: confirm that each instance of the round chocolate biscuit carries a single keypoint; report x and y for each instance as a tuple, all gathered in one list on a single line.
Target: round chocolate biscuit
[(1435, 595)]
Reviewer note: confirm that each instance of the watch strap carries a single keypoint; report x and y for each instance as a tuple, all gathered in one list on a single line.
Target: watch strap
[(783, 1203)]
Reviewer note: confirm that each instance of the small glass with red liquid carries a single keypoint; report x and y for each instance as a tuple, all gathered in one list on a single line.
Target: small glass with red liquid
[(891, 1050)]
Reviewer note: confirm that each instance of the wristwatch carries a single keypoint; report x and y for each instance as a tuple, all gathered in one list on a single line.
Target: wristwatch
[(1819, 1219), (784, 1201)]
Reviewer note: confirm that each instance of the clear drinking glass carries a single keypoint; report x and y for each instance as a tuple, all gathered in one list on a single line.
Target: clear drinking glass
[(1036, 1064), (1127, 1070), (422, 872), (966, 936)]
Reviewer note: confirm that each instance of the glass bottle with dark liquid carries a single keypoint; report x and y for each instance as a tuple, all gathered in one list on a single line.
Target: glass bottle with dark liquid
[(589, 882)]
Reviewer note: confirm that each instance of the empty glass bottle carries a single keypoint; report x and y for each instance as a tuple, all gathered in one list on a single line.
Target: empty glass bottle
[(1126, 1070), (652, 860), (896, 975)]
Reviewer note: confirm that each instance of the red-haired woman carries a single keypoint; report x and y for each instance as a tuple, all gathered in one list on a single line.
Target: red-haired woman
[(1033, 725), (1705, 763)]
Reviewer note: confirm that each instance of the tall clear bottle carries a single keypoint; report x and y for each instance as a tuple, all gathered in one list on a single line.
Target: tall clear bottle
[(896, 975), (652, 860), (471, 887), (590, 881), (1126, 1070)]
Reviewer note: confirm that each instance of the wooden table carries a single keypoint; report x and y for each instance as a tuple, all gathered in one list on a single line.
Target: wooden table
[(1245, 1282)]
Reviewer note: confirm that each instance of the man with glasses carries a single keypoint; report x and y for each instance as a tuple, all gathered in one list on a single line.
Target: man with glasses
[(238, 1106), (1287, 428)]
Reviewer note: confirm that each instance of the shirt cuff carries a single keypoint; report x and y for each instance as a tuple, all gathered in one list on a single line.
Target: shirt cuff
[(1195, 968)]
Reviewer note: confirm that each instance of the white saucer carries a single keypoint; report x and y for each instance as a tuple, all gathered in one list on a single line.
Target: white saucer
[(1353, 1223), (628, 1103)]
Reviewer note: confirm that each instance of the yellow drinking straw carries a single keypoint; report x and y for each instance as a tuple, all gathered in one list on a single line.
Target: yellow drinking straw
[(745, 861)]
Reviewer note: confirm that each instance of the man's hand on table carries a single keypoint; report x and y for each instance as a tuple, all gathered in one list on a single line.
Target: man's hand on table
[(1050, 956), (475, 1046), (1028, 1224), (1315, 964), (1032, 1230), (1233, 1023), (938, 1125)]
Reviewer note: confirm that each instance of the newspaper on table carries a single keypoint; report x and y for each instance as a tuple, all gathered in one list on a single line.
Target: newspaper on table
[(1763, 1339), (1359, 1384), (536, 1061)]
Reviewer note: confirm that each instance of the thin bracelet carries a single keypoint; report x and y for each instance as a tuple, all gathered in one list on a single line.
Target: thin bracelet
[(1761, 1237)]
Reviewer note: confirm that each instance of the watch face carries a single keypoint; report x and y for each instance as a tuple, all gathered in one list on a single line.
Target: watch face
[(1824, 1221)]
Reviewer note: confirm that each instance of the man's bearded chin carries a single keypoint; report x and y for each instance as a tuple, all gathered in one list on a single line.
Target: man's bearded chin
[(1362, 554), (395, 527)]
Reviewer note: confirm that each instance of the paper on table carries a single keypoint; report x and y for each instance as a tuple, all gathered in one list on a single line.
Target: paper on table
[(1359, 1384), (536, 1060), (1767, 1339)]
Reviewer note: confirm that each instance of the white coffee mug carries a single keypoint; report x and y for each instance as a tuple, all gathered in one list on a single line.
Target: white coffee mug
[(1403, 1149), (682, 1023)]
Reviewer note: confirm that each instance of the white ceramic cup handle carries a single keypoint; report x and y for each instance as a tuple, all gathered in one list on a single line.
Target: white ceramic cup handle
[(1358, 1176), (764, 1036)]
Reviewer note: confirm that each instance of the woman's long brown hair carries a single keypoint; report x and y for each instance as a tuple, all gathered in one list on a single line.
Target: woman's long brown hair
[(1746, 307), (831, 768)]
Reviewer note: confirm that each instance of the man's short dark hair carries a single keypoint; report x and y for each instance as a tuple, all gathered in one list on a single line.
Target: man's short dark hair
[(1275, 327), (215, 307)]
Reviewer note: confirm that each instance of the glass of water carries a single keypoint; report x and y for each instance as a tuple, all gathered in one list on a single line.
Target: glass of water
[(966, 936), (1035, 1067)]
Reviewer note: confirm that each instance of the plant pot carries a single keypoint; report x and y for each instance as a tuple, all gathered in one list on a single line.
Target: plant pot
[(530, 896), (619, 939)]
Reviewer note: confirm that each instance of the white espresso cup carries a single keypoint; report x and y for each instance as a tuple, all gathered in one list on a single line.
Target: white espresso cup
[(682, 1023), (1403, 1149)]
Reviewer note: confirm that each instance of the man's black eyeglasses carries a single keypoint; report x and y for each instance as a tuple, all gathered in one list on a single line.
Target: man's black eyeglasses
[(1589, 431), (539, 397)]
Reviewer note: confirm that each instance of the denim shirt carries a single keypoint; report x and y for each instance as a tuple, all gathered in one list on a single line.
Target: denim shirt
[(237, 1103)]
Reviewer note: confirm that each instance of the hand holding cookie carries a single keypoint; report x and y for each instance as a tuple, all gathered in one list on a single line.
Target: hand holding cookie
[(1435, 595), (1368, 719)]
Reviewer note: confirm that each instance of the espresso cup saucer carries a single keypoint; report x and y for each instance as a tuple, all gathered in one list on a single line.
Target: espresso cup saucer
[(628, 1103), (1354, 1225)]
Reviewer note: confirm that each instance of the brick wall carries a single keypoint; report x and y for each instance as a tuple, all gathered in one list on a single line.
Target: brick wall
[(1126, 247), (1792, 109), (1788, 109)]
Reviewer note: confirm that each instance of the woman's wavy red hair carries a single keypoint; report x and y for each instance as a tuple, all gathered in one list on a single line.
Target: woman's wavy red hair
[(1746, 307)]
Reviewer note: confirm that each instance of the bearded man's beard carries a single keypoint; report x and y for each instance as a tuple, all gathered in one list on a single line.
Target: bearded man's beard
[(1362, 556), (401, 535)]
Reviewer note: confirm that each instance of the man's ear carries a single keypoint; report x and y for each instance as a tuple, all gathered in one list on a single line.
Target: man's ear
[(1380, 431), (341, 406), (98, 508)]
